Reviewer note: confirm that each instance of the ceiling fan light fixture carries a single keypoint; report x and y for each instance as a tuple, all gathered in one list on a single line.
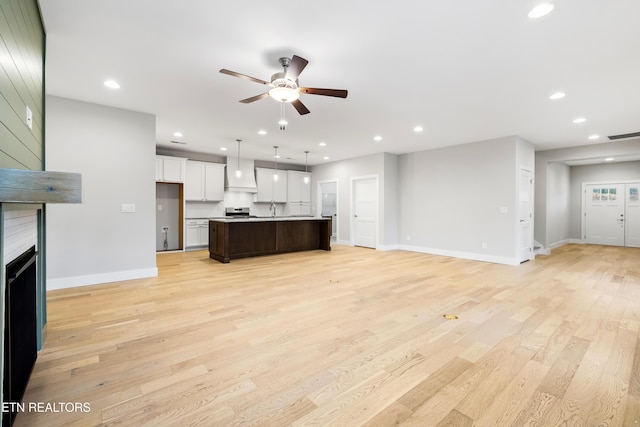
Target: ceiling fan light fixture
[(284, 94), (540, 10)]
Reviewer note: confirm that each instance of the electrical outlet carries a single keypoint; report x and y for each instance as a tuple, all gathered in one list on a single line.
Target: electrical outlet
[(484, 245), (408, 237), (165, 229)]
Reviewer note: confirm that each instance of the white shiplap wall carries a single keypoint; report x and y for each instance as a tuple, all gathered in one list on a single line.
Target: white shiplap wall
[(20, 232)]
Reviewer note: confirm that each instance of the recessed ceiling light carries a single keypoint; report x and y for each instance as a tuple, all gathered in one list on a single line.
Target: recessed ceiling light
[(558, 95), (609, 159), (323, 144), (277, 156), (540, 10), (326, 157), (112, 84), (178, 134), (377, 138), (594, 136), (262, 132), (223, 148), (579, 120), (418, 129)]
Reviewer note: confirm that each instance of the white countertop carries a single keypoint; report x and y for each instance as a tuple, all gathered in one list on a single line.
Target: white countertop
[(268, 218)]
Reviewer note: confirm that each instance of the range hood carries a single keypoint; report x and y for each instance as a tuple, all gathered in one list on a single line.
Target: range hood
[(247, 180)]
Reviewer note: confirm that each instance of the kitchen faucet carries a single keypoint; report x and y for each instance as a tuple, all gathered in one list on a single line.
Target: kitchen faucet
[(273, 208)]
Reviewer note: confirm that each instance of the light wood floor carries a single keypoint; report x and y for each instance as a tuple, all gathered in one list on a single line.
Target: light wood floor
[(350, 337)]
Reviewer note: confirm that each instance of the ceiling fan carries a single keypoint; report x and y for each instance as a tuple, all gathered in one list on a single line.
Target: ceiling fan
[(285, 86)]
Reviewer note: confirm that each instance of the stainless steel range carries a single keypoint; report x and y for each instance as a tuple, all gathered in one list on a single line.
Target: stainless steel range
[(238, 213)]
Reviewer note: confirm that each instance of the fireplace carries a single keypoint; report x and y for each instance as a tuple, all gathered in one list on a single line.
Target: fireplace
[(20, 339)]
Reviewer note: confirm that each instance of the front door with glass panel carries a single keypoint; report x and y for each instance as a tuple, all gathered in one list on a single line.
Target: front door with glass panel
[(612, 214)]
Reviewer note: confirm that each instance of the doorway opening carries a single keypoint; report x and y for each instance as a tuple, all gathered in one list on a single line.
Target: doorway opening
[(328, 203), (169, 217)]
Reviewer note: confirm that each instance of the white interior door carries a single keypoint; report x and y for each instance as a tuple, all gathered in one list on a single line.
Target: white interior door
[(632, 215), (604, 214), (365, 207), (526, 215)]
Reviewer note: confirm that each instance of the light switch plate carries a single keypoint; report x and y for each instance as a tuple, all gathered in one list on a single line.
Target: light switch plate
[(128, 208)]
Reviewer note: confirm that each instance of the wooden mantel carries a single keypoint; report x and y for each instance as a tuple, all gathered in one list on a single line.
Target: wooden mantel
[(28, 186)]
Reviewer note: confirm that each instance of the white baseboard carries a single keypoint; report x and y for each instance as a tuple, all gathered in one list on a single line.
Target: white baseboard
[(387, 247), (559, 243), (95, 279), (464, 255)]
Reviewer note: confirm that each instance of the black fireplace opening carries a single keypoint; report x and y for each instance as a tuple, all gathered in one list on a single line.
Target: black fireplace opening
[(20, 331)]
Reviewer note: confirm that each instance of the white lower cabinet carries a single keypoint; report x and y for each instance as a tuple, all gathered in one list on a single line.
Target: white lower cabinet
[(197, 233)]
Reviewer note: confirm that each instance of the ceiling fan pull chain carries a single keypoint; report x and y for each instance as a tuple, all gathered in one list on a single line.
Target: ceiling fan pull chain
[(283, 121)]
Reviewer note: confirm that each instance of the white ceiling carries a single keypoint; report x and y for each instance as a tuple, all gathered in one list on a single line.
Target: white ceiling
[(465, 70)]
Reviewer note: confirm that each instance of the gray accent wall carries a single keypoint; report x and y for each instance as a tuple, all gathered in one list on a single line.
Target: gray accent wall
[(22, 42), (21, 85), (114, 150)]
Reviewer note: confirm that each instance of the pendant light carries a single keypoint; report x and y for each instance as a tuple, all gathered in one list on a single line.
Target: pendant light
[(283, 122), (238, 171), (275, 170), (306, 164)]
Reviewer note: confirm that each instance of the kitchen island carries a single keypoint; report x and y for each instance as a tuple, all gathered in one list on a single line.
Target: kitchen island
[(231, 238)]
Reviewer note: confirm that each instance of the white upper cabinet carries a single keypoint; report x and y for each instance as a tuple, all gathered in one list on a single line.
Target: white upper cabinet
[(214, 181), (299, 187), (170, 169), (204, 181), (270, 189)]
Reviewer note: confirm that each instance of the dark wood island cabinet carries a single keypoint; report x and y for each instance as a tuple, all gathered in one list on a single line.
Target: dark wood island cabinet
[(241, 238)]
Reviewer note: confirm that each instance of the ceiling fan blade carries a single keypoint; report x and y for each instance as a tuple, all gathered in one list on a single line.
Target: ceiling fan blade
[(338, 93), (244, 76), (254, 98), (300, 107), (295, 67)]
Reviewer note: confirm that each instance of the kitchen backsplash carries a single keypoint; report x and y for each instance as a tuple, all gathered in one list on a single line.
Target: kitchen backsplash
[(232, 199)]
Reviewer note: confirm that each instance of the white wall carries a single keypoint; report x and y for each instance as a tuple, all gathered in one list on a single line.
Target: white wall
[(558, 206), (451, 199), (114, 150), (390, 200), (343, 171)]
